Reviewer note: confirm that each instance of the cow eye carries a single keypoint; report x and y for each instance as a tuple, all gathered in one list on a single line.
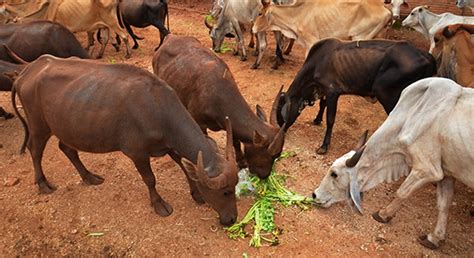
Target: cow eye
[(333, 174), (436, 40), (227, 193)]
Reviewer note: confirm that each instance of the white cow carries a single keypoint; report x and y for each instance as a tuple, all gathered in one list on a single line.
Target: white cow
[(428, 23), (465, 3), (428, 137), (396, 4)]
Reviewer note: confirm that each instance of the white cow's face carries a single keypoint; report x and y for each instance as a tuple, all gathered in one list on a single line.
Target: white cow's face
[(335, 185), (396, 5), (414, 18)]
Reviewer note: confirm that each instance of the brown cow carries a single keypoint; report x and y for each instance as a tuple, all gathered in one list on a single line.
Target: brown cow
[(6, 82), (101, 108), (454, 53), (207, 89), (82, 16)]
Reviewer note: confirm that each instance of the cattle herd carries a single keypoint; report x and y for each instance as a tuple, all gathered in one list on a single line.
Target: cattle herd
[(95, 107)]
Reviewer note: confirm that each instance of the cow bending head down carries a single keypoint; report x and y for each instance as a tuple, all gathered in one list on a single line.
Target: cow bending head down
[(396, 4)]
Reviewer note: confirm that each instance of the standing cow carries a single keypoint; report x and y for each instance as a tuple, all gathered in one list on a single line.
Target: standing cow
[(207, 89), (378, 69), (102, 108), (310, 21), (425, 138)]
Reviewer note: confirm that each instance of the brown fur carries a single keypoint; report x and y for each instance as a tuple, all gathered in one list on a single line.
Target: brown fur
[(101, 108), (207, 89), (454, 53)]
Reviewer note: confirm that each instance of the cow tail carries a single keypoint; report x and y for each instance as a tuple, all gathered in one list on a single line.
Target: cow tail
[(167, 15), (119, 15), (23, 121)]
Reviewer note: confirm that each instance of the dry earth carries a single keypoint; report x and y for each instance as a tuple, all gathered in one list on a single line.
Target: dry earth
[(57, 224)]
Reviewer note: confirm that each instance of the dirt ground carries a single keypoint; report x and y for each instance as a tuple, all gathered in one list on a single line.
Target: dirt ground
[(58, 224)]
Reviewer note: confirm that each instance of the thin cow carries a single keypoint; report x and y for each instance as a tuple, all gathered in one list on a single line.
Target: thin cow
[(428, 23), (208, 90), (454, 53), (427, 138), (310, 21), (378, 69), (100, 108)]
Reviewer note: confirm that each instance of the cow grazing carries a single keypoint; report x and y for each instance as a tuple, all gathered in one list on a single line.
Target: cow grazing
[(207, 89), (396, 5), (233, 16), (454, 53), (378, 69), (143, 13), (82, 16), (465, 3), (101, 108), (310, 21), (428, 23), (33, 39), (424, 138)]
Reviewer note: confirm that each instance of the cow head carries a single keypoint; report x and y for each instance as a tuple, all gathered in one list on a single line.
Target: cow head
[(341, 181), (223, 27), (219, 191), (262, 22), (396, 4), (414, 18), (289, 106), (262, 152)]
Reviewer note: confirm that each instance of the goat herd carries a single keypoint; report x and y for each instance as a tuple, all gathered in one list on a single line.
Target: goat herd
[(96, 107)]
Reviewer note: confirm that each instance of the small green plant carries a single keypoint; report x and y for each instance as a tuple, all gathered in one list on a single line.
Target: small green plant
[(267, 192)]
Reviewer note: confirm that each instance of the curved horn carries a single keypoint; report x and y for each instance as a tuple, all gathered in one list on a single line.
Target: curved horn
[(363, 139), (277, 144), (273, 114), (14, 56), (350, 163), (229, 148), (217, 182), (206, 22)]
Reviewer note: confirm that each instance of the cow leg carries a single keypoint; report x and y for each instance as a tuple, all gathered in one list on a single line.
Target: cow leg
[(104, 43), (88, 177), (36, 145), (5, 114), (290, 47), (130, 32), (195, 193), (445, 189), (319, 116), (262, 44), (116, 43), (278, 53), (142, 163), (90, 40), (240, 41), (163, 31), (330, 119), (252, 41), (239, 155), (415, 180)]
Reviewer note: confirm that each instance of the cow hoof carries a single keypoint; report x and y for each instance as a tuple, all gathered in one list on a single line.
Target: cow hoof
[(98, 57), (275, 66), (255, 53), (46, 188), (92, 179), (317, 121), (251, 45), (254, 66), (128, 55), (243, 58), (424, 241), (378, 218), (135, 47), (162, 208), (322, 150)]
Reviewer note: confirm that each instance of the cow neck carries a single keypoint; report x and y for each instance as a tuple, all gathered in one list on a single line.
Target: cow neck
[(463, 70), (186, 139), (244, 121), (428, 20)]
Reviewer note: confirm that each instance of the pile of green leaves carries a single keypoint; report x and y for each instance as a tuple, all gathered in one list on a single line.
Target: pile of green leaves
[(267, 192)]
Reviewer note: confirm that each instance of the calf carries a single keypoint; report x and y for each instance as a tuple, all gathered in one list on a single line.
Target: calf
[(454, 53), (425, 139), (373, 68), (207, 89), (33, 39), (102, 108)]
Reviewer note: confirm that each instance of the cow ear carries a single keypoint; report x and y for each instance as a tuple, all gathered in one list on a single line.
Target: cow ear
[(405, 5), (261, 113), (191, 168), (258, 139), (266, 3)]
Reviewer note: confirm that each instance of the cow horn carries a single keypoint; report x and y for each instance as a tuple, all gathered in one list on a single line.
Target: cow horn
[(354, 192), (217, 182), (229, 148), (363, 139), (350, 163), (273, 114), (207, 23), (277, 144)]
